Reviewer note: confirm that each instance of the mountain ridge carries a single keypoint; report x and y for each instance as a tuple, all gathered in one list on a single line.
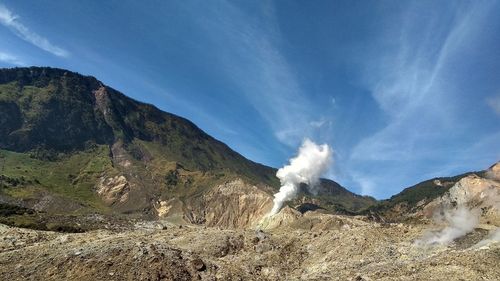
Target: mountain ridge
[(73, 139)]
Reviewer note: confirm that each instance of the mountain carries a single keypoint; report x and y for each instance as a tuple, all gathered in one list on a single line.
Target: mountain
[(71, 145), (419, 201)]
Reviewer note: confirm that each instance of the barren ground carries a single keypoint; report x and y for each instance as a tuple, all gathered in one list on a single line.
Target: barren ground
[(327, 248)]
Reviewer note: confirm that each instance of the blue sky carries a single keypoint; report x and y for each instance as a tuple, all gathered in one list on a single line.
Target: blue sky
[(402, 90)]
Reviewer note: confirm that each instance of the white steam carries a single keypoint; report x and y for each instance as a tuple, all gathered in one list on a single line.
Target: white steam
[(311, 161), (459, 221), (493, 237), (463, 219)]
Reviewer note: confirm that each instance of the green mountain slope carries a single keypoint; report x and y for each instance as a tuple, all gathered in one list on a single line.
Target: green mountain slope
[(70, 145), (56, 110)]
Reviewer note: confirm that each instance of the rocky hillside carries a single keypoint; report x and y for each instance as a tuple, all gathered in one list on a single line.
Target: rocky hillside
[(70, 145), (422, 200)]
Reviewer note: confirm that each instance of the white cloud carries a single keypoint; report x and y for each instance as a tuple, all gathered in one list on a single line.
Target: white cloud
[(494, 103), (412, 85), (409, 87), (253, 60), (11, 59), (10, 20)]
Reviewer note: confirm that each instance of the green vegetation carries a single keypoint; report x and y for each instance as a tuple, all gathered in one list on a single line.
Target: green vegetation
[(71, 176), (55, 110), (10, 210)]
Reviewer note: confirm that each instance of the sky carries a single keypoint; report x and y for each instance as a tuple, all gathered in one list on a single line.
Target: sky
[(403, 91)]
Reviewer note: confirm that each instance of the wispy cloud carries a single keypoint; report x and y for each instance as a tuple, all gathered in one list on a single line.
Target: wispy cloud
[(411, 86), (10, 20), (11, 59), (494, 103), (253, 60)]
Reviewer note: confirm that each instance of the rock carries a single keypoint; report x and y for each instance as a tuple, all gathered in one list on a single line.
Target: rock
[(113, 189), (361, 278), (235, 204), (473, 192), (198, 264), (261, 235)]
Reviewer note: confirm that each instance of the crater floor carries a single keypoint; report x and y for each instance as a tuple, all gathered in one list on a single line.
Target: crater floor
[(320, 247)]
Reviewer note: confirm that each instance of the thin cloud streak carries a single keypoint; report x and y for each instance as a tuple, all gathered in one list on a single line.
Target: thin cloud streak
[(412, 88), (11, 59), (10, 20), (262, 73), (414, 92)]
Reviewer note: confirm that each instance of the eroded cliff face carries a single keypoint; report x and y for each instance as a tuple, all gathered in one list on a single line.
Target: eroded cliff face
[(233, 204), (236, 204), (474, 192)]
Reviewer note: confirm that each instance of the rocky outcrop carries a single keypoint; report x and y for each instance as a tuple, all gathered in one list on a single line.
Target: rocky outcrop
[(285, 217), (432, 198), (169, 208), (288, 218), (472, 189), (233, 204), (236, 204), (474, 192), (113, 189), (494, 172)]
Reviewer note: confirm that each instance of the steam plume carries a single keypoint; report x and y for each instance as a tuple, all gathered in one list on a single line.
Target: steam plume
[(311, 161), (493, 237), (463, 220), (459, 222)]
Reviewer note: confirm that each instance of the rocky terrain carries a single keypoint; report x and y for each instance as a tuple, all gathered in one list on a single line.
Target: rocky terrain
[(320, 247)]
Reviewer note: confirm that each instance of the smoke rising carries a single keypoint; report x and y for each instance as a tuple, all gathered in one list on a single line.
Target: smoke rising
[(312, 161), (459, 221), (493, 237), (464, 218)]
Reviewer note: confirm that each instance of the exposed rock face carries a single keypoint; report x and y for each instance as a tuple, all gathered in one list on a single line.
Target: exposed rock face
[(494, 172), (474, 192), (170, 208), (236, 204), (471, 188), (286, 216), (113, 189), (162, 208)]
